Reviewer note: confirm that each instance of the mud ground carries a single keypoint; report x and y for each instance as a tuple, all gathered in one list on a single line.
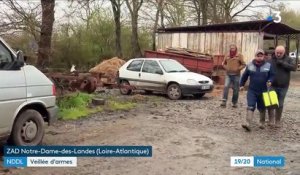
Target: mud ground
[(189, 137)]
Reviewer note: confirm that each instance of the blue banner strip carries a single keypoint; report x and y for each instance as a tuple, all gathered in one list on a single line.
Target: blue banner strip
[(15, 162), (269, 161), (78, 151)]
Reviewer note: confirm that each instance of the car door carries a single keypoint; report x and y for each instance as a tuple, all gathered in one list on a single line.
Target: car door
[(12, 88), (152, 77), (133, 73)]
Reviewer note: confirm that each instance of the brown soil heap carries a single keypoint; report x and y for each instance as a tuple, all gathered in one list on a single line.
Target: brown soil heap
[(107, 70)]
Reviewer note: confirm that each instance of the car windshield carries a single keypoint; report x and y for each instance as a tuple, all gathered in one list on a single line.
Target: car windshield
[(172, 66)]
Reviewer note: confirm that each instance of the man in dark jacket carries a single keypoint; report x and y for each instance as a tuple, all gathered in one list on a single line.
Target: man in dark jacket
[(261, 75), (283, 65)]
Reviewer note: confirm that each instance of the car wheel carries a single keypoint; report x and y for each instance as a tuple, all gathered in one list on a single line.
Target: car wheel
[(28, 129), (199, 95), (174, 91), (125, 87)]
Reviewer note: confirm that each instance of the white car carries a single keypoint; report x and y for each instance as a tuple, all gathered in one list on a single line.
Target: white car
[(293, 55), (162, 75)]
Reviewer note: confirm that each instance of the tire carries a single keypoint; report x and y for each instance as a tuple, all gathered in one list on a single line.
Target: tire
[(174, 91), (28, 129), (124, 90), (199, 95)]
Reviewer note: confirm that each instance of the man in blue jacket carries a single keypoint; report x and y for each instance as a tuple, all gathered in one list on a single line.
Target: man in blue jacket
[(283, 65), (261, 76)]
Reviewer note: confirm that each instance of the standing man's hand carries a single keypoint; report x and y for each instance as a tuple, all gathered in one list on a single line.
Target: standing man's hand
[(279, 61)]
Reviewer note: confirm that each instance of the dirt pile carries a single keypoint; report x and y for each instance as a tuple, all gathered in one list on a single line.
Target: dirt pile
[(108, 68)]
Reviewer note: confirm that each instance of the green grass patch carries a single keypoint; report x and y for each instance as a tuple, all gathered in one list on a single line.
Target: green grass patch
[(75, 106), (75, 100), (118, 105)]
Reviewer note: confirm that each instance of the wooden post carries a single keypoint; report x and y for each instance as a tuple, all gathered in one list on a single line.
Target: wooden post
[(288, 45), (297, 50)]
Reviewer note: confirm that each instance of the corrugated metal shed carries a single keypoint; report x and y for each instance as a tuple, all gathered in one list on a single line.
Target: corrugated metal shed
[(215, 39)]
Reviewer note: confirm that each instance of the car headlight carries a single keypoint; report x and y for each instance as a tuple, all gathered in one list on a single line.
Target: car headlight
[(191, 81)]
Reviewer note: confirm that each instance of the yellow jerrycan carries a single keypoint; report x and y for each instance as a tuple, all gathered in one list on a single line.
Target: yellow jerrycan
[(270, 98)]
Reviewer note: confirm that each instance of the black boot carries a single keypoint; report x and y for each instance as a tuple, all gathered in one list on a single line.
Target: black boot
[(223, 104)]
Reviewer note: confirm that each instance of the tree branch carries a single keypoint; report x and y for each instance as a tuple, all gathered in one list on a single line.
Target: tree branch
[(243, 8)]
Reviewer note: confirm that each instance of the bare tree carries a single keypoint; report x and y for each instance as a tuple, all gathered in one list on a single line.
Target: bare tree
[(204, 9), (214, 16), (44, 51), (116, 6), (134, 7), (158, 4), (201, 9), (175, 12), (20, 18), (196, 4)]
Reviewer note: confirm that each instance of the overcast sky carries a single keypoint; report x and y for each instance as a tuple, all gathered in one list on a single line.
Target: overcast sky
[(62, 6), (294, 4)]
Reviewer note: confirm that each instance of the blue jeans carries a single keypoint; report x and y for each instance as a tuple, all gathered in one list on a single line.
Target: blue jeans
[(254, 99), (232, 79), (281, 93)]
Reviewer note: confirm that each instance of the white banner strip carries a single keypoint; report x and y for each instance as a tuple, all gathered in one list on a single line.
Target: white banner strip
[(51, 161), (242, 161)]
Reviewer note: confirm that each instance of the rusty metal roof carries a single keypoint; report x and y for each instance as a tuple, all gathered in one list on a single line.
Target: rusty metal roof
[(269, 27)]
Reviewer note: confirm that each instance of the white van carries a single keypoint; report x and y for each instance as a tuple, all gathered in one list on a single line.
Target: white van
[(27, 99)]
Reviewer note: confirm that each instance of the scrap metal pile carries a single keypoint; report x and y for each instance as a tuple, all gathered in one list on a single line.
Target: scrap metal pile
[(102, 75)]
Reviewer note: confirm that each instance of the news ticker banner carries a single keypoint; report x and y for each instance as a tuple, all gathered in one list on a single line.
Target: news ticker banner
[(40, 162), (257, 161), (66, 156)]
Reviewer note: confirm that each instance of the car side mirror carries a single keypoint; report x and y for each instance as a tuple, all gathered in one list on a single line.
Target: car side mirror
[(160, 72), (20, 60), (20, 56)]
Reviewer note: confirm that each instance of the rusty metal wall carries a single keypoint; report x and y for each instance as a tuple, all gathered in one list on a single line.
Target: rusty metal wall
[(213, 43)]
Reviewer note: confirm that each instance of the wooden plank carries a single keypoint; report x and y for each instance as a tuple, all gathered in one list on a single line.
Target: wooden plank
[(210, 45), (183, 40), (218, 43), (239, 41), (202, 41), (170, 39), (159, 41), (261, 40), (249, 45), (195, 42), (175, 40), (221, 43), (198, 41), (226, 43), (207, 43), (190, 41)]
